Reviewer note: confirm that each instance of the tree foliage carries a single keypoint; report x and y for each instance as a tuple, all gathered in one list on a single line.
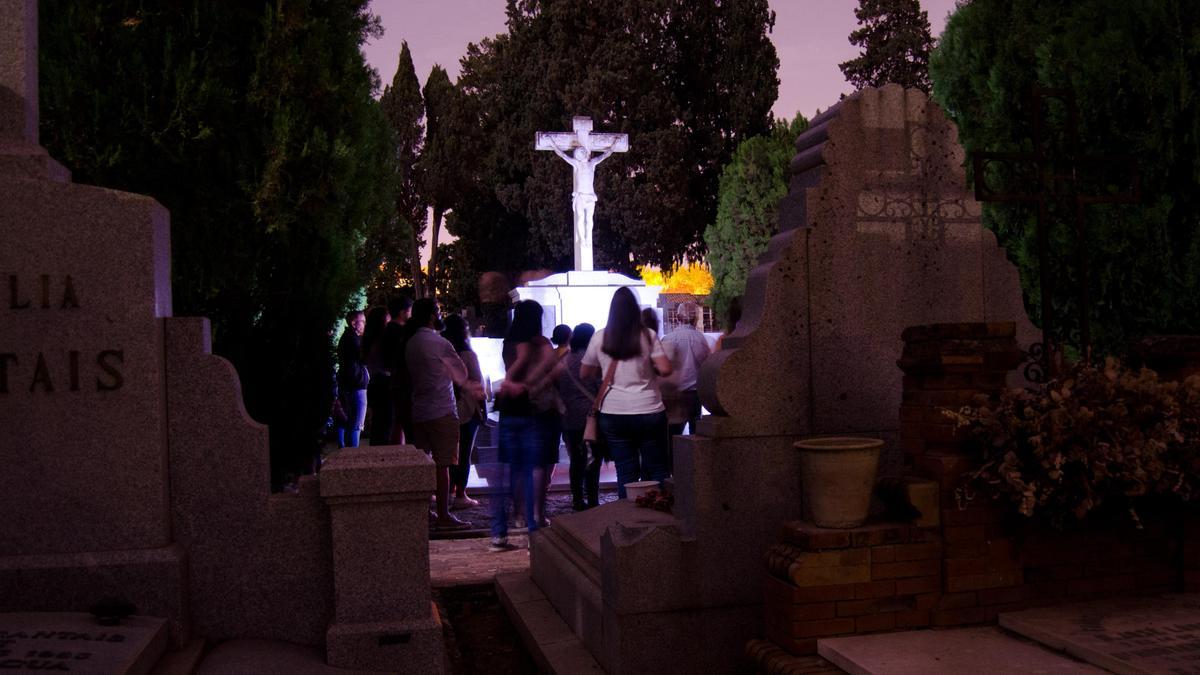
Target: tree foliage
[(405, 111), (686, 79), (254, 125), (752, 184), (895, 41), (443, 159), (1134, 69)]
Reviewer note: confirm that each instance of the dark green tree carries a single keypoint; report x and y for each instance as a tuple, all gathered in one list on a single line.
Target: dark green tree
[(1137, 86), (254, 125), (752, 184), (443, 158), (687, 80), (895, 41), (405, 111)]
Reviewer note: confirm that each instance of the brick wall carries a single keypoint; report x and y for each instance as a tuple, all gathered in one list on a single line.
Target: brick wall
[(977, 563)]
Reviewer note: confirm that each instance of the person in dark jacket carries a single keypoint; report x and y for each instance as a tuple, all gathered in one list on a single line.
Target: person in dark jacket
[(352, 379), (577, 395)]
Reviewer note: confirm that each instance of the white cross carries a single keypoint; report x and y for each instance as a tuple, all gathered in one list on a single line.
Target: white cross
[(581, 143)]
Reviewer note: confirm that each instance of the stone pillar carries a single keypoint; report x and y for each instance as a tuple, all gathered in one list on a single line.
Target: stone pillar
[(384, 616)]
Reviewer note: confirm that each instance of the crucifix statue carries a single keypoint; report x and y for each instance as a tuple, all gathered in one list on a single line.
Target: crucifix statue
[(581, 143)]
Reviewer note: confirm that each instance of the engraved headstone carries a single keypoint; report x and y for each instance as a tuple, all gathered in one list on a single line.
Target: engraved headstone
[(1124, 635), (76, 643)]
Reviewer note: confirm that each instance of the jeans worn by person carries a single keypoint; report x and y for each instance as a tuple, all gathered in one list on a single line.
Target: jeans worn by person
[(637, 445), (354, 403), (521, 442)]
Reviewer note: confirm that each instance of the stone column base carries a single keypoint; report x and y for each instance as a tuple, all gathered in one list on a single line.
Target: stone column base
[(413, 646)]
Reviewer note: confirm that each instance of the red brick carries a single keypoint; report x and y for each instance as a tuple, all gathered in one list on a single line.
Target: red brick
[(797, 647), (991, 612), (1102, 585), (795, 595), (902, 570), (923, 551), (975, 582), (918, 585), (875, 606), (957, 617), (958, 600), (926, 600), (912, 618), (969, 533), (810, 612), (1053, 572), (808, 629), (874, 589), (875, 622), (1000, 596), (966, 549), (883, 554), (877, 535), (1049, 590)]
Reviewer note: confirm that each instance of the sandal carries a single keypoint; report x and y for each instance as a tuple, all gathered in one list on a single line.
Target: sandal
[(453, 525)]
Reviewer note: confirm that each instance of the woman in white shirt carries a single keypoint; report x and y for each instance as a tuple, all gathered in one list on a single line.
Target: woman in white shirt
[(633, 419)]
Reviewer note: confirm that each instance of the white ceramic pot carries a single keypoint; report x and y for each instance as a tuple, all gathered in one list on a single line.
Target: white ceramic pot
[(837, 478), (638, 488)]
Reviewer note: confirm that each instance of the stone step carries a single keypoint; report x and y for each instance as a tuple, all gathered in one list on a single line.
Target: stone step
[(1124, 635), (549, 640), (962, 650), (182, 661)]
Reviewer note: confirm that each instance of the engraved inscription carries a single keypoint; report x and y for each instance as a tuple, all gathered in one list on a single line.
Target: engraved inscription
[(50, 292), (53, 372)]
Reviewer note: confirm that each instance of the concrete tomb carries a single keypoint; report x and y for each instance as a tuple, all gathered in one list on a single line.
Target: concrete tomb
[(131, 468), (878, 232)]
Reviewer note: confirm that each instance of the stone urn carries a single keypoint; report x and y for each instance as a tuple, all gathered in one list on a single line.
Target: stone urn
[(837, 478)]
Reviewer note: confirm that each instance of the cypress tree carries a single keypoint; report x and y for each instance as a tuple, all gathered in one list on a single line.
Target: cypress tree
[(895, 41), (405, 111)]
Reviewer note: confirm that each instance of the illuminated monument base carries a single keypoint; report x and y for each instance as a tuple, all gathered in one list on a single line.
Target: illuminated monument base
[(578, 297)]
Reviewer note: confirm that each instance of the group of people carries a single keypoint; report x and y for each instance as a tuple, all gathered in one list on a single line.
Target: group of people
[(640, 389), (422, 382)]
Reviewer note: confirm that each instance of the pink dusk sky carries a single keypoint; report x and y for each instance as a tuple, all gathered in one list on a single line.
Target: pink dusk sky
[(810, 37)]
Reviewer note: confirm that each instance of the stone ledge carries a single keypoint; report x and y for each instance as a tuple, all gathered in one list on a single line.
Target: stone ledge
[(549, 640)]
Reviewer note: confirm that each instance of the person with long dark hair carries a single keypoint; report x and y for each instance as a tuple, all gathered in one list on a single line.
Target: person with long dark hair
[(470, 410), (528, 416), (633, 419), (577, 396)]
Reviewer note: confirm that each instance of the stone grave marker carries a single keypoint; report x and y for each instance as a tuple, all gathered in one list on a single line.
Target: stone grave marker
[(879, 232), (76, 643), (1123, 635)]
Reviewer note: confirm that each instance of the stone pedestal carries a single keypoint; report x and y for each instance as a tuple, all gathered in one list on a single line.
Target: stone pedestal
[(384, 616), (578, 297)]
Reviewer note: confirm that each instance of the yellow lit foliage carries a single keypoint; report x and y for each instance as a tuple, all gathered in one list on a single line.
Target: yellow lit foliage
[(694, 278)]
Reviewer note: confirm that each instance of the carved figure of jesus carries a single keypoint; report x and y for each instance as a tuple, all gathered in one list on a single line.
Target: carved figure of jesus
[(577, 148), (583, 197)]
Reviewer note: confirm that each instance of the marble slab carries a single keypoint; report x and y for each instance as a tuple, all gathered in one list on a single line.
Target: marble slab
[(74, 642), (1123, 635), (964, 650)]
